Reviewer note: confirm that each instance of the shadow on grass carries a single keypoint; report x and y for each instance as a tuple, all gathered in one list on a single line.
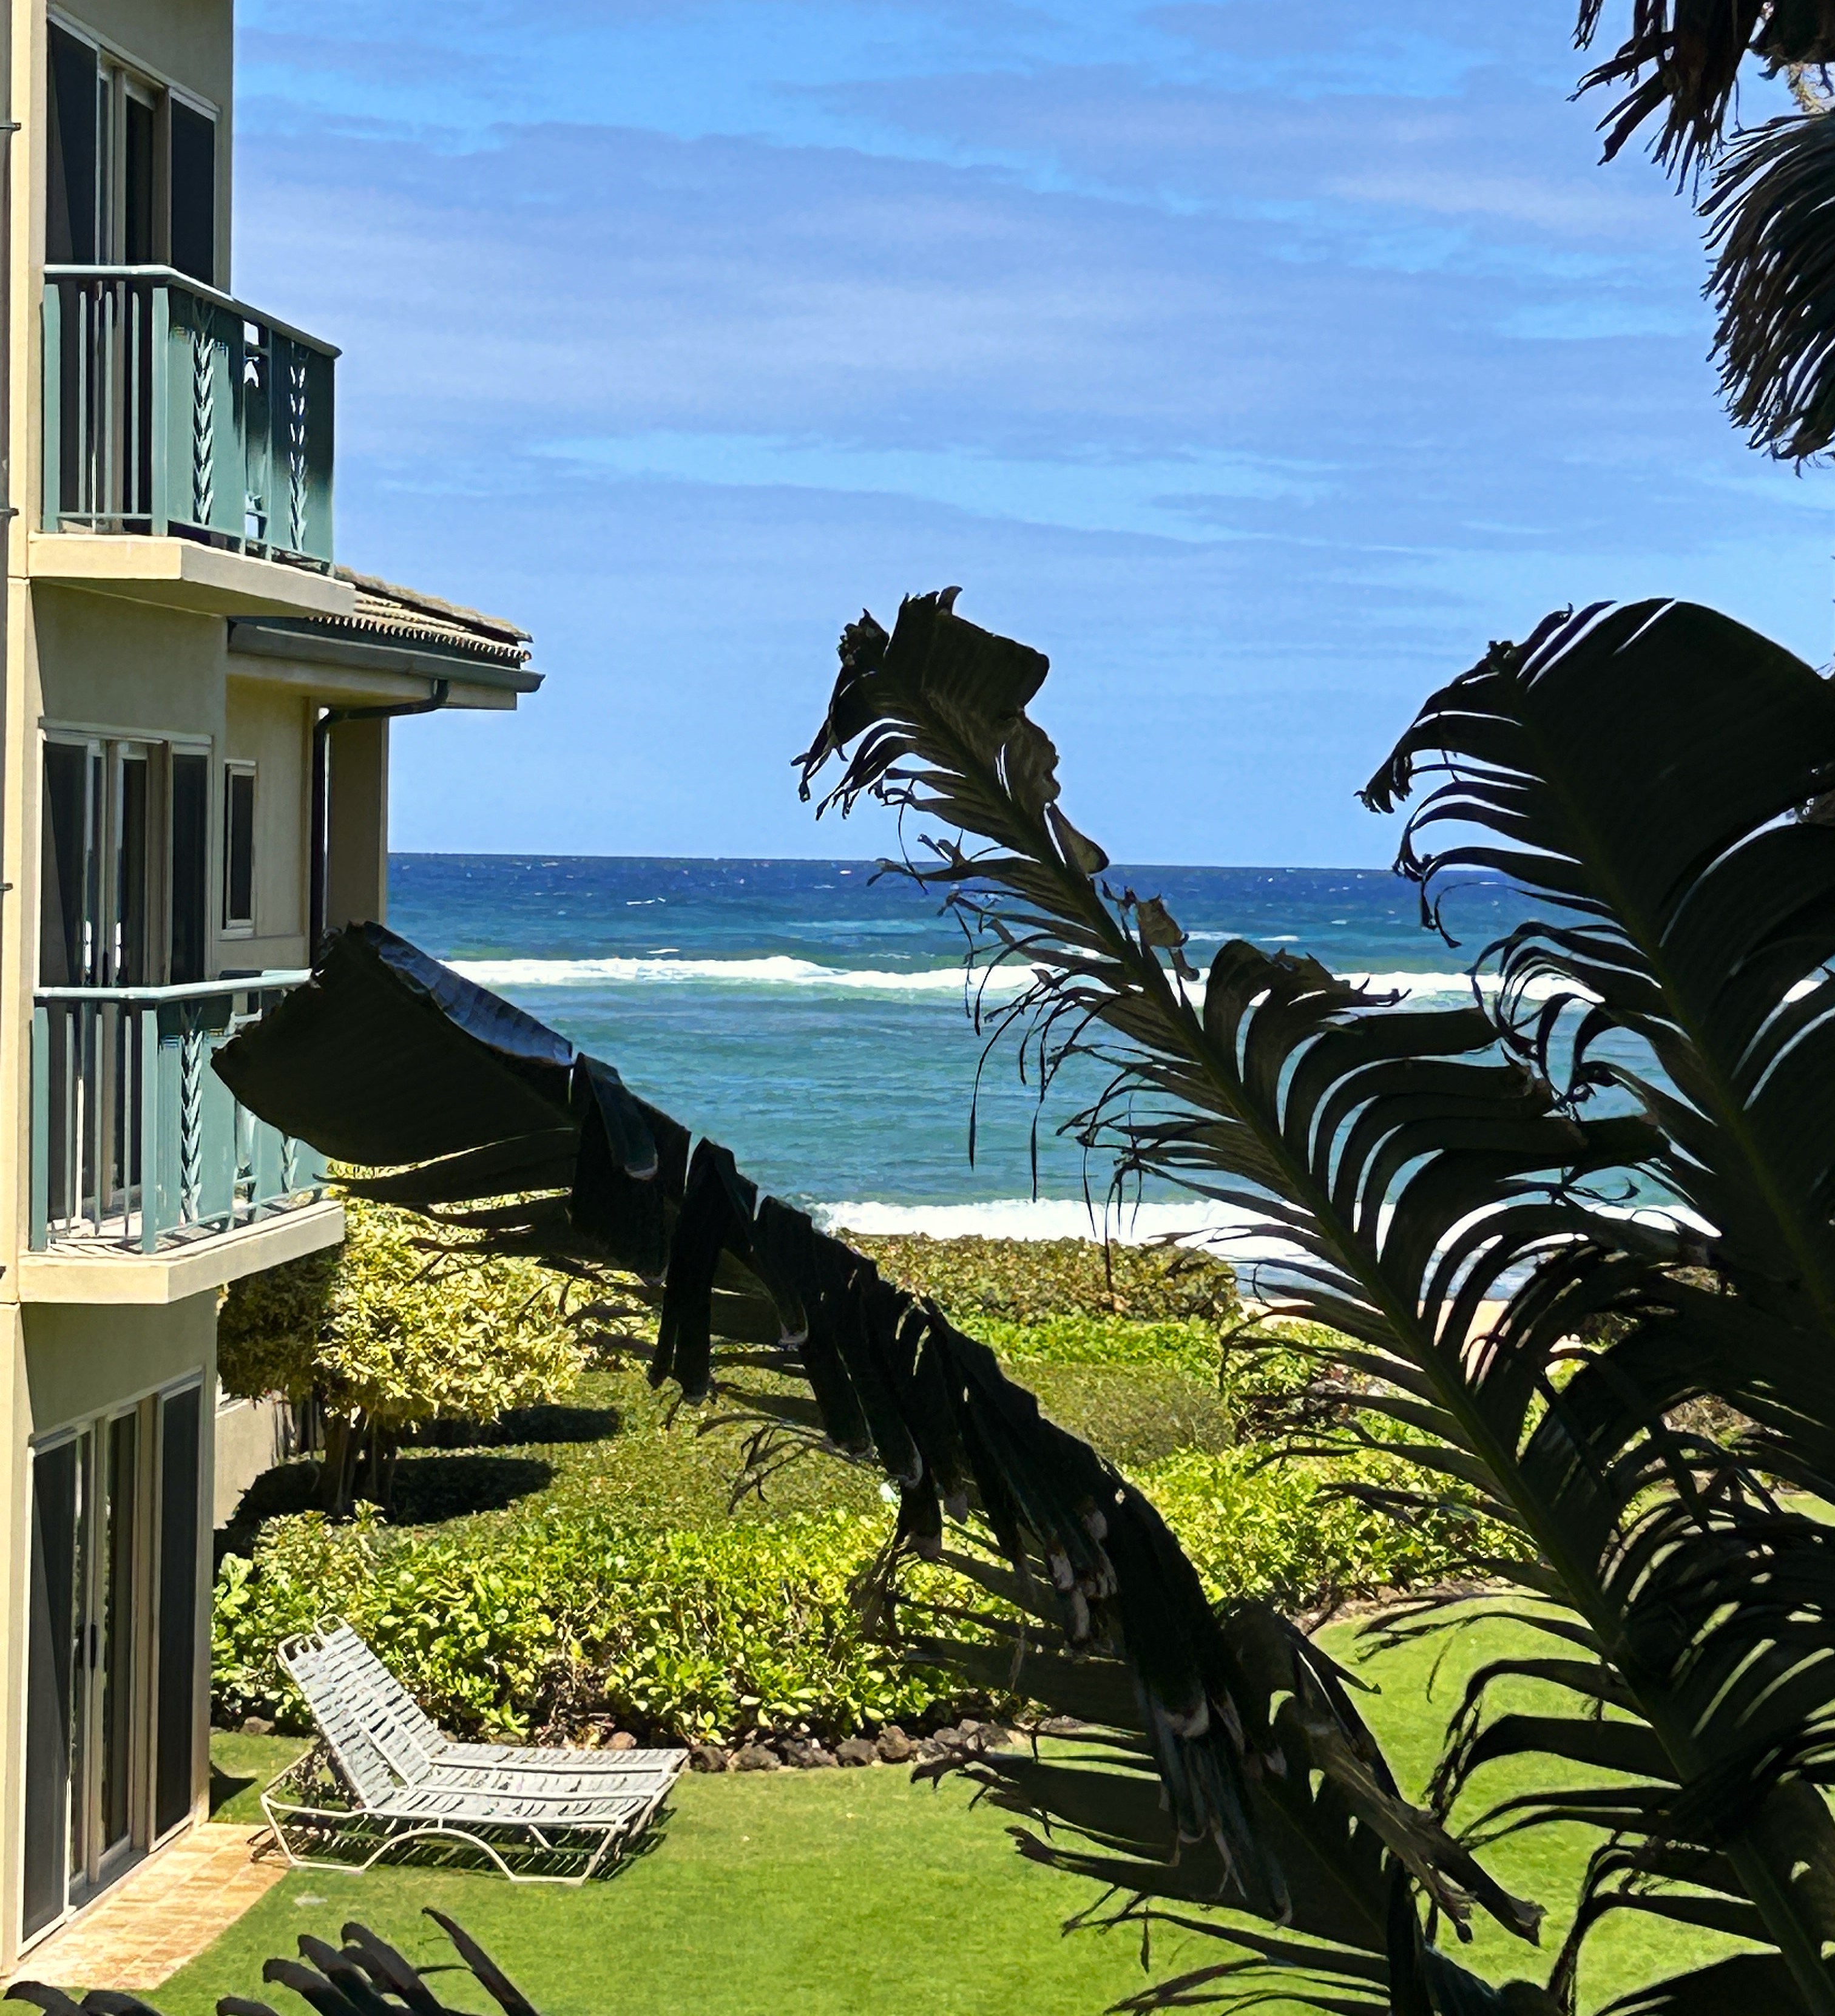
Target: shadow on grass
[(557, 1870), (431, 1488), (225, 1786), (520, 1427)]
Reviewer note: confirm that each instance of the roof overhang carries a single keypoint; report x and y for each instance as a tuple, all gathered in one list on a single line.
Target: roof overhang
[(336, 664)]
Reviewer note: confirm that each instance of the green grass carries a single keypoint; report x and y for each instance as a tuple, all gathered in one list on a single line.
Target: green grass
[(813, 1894), (241, 1769), (1409, 1717), (659, 1478), (829, 1893)]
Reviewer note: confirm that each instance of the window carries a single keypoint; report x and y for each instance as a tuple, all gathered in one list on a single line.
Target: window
[(239, 846), (189, 880), (131, 167), (194, 192)]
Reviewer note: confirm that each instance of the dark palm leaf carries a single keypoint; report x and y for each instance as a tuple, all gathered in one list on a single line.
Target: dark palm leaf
[(1288, 1818), (1636, 770), (365, 1977), (1418, 1179), (1771, 228), (1680, 61)]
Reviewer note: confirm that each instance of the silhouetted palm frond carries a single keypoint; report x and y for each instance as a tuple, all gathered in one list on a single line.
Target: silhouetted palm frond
[(365, 1977), (1772, 228), (1680, 60)]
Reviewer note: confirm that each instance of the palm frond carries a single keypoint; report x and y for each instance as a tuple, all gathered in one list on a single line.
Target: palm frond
[(365, 1977), (1085, 1555), (1680, 61), (1769, 228), (1636, 770), (1417, 1179)]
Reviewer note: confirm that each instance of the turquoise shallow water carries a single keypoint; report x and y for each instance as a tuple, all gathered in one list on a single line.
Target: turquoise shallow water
[(811, 1016)]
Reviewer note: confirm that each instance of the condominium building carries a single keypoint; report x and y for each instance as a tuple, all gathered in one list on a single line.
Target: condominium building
[(198, 705)]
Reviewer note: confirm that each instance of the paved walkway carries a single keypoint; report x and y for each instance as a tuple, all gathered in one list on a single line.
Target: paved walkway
[(163, 1914)]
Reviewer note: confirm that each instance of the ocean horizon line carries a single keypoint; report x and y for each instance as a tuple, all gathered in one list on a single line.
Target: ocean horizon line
[(548, 857)]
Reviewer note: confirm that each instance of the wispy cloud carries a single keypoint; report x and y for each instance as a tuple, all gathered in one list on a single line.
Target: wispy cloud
[(1258, 365)]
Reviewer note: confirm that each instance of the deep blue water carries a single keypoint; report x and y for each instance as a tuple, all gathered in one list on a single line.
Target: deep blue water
[(811, 1016)]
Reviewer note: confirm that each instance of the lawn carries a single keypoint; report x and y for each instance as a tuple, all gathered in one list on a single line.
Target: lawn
[(823, 1893), (839, 1891)]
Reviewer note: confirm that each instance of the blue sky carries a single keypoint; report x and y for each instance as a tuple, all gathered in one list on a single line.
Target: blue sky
[(1258, 364)]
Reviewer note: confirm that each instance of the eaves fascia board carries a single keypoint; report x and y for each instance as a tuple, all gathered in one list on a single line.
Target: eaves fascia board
[(253, 637)]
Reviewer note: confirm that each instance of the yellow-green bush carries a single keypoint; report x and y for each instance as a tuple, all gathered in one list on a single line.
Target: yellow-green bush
[(1038, 1280)]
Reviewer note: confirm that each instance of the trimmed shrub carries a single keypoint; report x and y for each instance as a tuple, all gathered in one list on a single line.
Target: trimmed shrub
[(1036, 1280), (562, 1622), (379, 1334)]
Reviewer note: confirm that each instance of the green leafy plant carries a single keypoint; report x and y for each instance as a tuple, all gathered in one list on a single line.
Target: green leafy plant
[(381, 1332)]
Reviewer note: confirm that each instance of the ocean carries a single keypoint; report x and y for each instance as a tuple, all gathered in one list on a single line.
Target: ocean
[(810, 1014)]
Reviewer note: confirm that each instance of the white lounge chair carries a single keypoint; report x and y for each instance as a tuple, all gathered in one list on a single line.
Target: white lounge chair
[(573, 1813), (334, 1662)]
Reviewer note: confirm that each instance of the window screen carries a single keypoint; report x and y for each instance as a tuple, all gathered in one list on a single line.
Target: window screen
[(194, 192), (238, 848), (70, 107), (191, 866)]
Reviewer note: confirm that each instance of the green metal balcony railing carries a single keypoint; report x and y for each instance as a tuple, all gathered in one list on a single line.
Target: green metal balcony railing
[(171, 408), (137, 1145)]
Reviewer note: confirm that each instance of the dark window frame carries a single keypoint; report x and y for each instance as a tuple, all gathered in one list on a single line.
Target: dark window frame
[(239, 920)]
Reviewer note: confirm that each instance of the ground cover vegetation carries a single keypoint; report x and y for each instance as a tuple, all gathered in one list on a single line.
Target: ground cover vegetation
[(610, 1583)]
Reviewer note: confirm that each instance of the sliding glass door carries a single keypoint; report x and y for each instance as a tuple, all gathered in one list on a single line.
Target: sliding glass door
[(112, 1681)]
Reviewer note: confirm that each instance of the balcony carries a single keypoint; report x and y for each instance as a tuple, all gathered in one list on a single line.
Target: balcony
[(174, 411), (148, 1181)]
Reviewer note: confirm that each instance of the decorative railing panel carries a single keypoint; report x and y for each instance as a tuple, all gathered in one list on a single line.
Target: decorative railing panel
[(170, 408), (137, 1144)]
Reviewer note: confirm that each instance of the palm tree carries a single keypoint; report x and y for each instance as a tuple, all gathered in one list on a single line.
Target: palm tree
[(1634, 771), (1768, 205)]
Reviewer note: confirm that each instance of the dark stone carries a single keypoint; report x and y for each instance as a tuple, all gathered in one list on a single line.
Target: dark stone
[(708, 1757), (755, 1757), (894, 1746), (256, 1725), (857, 1750)]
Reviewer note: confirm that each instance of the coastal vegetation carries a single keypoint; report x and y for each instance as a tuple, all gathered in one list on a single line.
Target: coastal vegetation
[(576, 1570), (1621, 1413)]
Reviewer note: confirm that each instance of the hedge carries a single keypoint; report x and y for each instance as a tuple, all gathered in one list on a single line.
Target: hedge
[(568, 1620), (621, 1594), (565, 1621)]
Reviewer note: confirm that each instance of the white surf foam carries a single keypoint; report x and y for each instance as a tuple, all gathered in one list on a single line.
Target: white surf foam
[(779, 971), (1191, 1224)]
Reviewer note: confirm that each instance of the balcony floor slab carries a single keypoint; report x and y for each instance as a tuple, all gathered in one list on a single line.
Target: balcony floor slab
[(185, 574), (99, 1274)]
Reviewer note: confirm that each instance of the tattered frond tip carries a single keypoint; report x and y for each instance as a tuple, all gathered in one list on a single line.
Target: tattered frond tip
[(1774, 284), (1680, 61)]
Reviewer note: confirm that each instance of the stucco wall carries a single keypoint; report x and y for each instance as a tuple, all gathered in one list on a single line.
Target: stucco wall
[(271, 728), (81, 1361)]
